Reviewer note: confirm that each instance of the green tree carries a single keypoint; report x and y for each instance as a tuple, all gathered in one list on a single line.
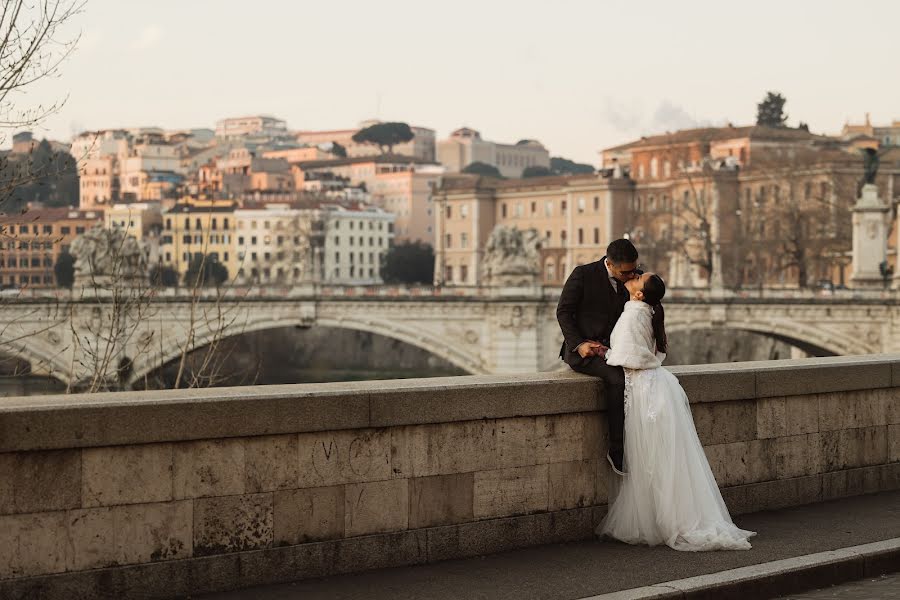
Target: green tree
[(564, 166), (384, 135), (205, 270), (163, 276), (410, 262), (480, 168), (536, 171), (338, 150), (64, 269), (770, 112)]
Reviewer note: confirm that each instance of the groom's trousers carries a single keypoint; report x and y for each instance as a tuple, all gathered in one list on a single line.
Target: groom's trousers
[(614, 391)]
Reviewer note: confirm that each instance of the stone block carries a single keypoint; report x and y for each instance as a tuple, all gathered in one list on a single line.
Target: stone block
[(848, 410), (33, 544), (40, 481), (787, 416), (716, 455), (725, 422), (891, 399), (852, 448), (376, 507), (233, 524), (563, 526), (595, 435), (559, 438), (271, 462), (91, 538), (482, 537), (337, 457), (893, 442), (440, 500), (209, 468), (493, 397), (402, 548), (749, 462), (573, 484), (507, 492), (797, 455), (425, 450), (309, 515), (154, 532), (796, 378), (722, 384), (126, 474)]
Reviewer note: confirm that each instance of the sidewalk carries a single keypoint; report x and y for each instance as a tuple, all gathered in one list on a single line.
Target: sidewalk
[(578, 570)]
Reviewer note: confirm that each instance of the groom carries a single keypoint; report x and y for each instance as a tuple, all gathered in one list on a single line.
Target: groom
[(590, 304)]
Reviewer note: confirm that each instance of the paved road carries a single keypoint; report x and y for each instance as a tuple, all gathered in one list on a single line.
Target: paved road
[(886, 587), (581, 569)]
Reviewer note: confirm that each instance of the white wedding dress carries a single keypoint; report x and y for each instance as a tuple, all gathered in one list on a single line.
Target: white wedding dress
[(669, 494)]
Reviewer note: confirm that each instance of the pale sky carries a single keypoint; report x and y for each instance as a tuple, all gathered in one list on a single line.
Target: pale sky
[(578, 75)]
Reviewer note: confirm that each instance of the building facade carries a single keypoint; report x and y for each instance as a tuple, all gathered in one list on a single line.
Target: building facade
[(194, 228), (253, 126), (576, 217), (465, 146), (31, 243)]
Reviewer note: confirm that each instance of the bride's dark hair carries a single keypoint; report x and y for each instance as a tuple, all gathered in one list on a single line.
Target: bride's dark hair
[(654, 290)]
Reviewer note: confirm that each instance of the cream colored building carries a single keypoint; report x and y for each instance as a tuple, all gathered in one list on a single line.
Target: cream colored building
[(408, 194), (195, 228), (576, 216), (272, 244), (422, 146), (259, 126), (356, 238), (465, 146)]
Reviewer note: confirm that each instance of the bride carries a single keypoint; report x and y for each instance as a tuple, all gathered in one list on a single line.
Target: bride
[(668, 495)]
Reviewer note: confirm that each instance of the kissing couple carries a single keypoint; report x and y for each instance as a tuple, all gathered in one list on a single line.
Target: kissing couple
[(613, 326)]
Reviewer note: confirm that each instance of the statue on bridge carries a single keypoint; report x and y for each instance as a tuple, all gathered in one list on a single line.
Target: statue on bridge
[(108, 256), (512, 257)]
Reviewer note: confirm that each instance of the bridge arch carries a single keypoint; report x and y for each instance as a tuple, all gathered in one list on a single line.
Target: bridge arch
[(431, 342), (808, 338)]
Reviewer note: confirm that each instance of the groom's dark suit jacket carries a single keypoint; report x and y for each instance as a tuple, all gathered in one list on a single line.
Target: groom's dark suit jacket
[(588, 309)]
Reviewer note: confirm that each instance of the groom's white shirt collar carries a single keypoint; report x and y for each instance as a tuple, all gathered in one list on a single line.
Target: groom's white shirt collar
[(612, 280)]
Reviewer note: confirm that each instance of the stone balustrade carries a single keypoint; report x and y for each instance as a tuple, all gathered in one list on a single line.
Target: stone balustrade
[(161, 494)]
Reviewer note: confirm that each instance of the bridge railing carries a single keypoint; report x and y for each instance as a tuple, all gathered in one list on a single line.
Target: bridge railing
[(389, 291)]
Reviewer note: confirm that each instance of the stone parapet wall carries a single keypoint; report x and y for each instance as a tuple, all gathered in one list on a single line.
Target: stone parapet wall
[(161, 494)]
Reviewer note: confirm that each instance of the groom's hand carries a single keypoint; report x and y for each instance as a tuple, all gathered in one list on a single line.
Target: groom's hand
[(590, 348)]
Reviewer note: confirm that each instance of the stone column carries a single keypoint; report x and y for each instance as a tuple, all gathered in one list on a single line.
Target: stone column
[(870, 231)]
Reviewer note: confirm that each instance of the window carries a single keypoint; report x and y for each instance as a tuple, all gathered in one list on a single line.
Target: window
[(79, 230), (448, 273), (449, 211), (519, 209), (548, 208), (562, 236), (464, 211), (562, 205), (464, 240), (169, 224), (214, 223), (186, 238), (199, 225), (581, 205), (253, 240), (463, 273), (449, 241), (548, 236), (48, 229), (240, 240), (225, 223), (596, 203), (596, 235), (503, 210), (580, 235), (533, 207)]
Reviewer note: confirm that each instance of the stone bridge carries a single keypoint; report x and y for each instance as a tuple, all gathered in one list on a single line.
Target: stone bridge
[(480, 330)]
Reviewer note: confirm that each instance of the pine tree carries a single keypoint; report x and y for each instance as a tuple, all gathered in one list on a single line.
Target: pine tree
[(770, 112)]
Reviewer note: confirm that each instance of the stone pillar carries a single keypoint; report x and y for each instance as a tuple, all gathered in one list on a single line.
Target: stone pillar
[(870, 231)]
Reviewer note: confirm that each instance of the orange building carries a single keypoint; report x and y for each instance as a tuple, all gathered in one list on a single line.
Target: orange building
[(31, 242)]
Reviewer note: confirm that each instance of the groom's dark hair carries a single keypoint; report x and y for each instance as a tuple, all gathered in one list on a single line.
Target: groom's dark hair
[(621, 251)]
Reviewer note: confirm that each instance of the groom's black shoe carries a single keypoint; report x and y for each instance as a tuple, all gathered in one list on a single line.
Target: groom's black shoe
[(616, 459)]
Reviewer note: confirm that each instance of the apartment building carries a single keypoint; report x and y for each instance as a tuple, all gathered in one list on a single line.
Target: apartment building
[(465, 146)]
